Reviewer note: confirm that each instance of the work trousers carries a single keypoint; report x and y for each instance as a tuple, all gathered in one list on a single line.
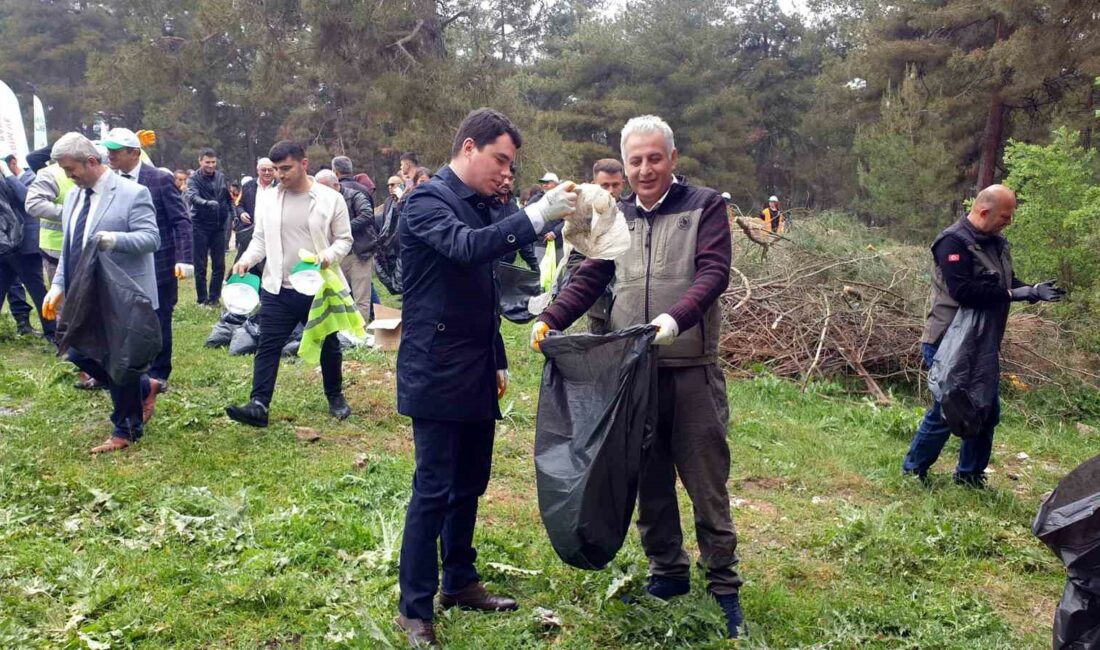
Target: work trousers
[(27, 270), (933, 433), (359, 274), (167, 294), (125, 398), (690, 442), (453, 461), (209, 240), (280, 313)]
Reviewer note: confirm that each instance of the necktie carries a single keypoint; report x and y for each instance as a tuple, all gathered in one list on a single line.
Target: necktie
[(125, 175), (76, 238)]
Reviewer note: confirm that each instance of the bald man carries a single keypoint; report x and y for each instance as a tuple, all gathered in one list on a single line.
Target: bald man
[(973, 268)]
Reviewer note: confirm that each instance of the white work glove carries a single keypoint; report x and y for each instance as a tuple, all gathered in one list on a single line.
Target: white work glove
[(502, 383), (557, 203), (52, 302), (246, 219), (667, 329), (184, 271), (106, 240)]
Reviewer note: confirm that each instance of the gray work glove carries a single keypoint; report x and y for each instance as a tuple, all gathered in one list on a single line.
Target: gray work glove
[(1044, 291)]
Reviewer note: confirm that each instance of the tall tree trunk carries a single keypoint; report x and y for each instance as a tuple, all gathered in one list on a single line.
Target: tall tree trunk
[(991, 141), (1086, 133)]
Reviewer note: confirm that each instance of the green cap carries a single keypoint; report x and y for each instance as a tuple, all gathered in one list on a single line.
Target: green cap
[(305, 266)]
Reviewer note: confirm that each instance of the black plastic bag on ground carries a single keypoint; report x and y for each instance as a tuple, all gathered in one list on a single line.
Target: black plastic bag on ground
[(967, 370), (597, 412), (1069, 523), (517, 286), (222, 332), (108, 318)]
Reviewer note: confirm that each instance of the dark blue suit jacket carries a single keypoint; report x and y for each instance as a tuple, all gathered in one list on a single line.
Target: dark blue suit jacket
[(29, 244), (450, 343), (173, 221)]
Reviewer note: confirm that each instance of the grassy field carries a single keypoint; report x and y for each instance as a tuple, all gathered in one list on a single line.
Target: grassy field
[(213, 535)]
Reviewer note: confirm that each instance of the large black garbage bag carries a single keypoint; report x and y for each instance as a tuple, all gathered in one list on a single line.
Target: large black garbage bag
[(223, 330), (967, 370), (597, 410), (290, 349), (108, 318), (1069, 523), (388, 268), (517, 286)]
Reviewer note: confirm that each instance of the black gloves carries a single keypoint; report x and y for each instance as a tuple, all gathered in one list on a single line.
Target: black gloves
[(1044, 291)]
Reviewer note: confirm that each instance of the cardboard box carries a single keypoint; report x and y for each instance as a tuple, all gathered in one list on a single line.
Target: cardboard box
[(386, 327)]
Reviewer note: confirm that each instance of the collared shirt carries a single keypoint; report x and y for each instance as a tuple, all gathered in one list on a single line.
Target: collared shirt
[(638, 200), (132, 173), (97, 192)]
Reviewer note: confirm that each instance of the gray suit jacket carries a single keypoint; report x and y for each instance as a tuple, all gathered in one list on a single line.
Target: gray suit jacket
[(125, 208)]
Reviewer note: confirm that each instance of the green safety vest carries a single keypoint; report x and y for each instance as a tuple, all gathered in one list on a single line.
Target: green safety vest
[(50, 237)]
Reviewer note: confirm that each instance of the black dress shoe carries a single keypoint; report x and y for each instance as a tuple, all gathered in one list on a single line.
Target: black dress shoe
[(421, 633), (254, 414), (339, 408), (475, 596), (23, 328)]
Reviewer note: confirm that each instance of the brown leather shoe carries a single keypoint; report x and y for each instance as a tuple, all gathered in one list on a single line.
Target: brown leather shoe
[(475, 596), (149, 404), (421, 633), (113, 443)]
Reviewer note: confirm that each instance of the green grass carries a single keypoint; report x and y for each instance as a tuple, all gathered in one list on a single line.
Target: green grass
[(213, 535)]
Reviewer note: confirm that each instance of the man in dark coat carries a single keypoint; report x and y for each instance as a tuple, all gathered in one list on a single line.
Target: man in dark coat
[(972, 268), (173, 258), (23, 267), (451, 368), (207, 195)]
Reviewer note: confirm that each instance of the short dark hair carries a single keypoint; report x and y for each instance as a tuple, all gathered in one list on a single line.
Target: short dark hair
[(235, 184), (412, 157), (180, 171), (9, 158), (284, 149), (207, 152), (484, 125), (607, 166)]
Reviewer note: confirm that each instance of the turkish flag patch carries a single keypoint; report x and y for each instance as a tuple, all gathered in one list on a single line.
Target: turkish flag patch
[(954, 257)]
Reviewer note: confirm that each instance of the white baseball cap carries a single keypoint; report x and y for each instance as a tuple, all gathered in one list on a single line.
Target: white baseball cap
[(120, 138), (726, 196), (773, 198), (549, 177)]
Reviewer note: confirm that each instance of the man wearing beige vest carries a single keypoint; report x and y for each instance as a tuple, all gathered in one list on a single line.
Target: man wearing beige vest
[(300, 215), (677, 266), (973, 268)]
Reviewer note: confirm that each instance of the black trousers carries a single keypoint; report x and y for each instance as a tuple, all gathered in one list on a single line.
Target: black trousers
[(167, 295), (209, 240), (27, 269), (453, 461), (280, 313), (126, 399)]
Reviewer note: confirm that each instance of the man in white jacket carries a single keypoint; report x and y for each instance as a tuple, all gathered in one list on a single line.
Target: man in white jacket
[(301, 214)]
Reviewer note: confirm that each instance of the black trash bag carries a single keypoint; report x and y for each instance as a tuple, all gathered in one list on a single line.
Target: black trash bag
[(108, 318), (252, 324), (388, 269), (1069, 523), (597, 413), (966, 371), (243, 342), (517, 286), (223, 330)]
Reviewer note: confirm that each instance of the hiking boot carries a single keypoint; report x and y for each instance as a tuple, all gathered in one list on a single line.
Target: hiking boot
[(419, 632), (974, 481), (664, 587), (338, 407), (254, 414), (731, 607)]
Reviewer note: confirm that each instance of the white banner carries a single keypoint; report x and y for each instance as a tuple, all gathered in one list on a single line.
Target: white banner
[(13, 136), (102, 129), (40, 139)]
